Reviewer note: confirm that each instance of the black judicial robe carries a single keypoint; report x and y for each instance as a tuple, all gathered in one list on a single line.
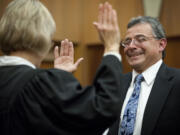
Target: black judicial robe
[(52, 102)]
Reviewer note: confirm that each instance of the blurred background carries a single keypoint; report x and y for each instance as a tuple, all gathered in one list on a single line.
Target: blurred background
[(74, 20)]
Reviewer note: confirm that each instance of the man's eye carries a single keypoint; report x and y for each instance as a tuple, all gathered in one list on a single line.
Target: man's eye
[(127, 41), (141, 39)]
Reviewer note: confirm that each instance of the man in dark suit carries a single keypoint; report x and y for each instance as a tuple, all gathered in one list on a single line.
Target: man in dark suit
[(37, 101), (152, 107)]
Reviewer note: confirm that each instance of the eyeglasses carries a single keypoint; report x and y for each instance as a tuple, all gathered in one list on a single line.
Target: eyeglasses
[(137, 40)]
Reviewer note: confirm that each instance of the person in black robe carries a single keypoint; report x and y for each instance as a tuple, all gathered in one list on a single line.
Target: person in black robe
[(36, 101)]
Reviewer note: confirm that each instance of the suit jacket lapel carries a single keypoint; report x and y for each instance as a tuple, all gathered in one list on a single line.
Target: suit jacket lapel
[(157, 98)]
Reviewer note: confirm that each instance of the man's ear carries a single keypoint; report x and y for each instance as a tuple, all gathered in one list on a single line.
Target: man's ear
[(162, 44)]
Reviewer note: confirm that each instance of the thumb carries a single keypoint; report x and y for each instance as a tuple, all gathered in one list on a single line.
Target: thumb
[(96, 25), (78, 62)]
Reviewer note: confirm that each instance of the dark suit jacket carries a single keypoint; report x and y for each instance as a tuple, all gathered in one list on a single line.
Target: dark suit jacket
[(52, 102), (162, 112)]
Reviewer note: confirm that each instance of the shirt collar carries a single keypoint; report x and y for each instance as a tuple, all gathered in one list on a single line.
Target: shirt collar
[(14, 60), (149, 74)]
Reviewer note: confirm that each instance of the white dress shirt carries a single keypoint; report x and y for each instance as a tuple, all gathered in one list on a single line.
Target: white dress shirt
[(146, 86)]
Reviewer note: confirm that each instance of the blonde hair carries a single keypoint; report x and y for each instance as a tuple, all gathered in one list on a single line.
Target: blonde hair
[(26, 25)]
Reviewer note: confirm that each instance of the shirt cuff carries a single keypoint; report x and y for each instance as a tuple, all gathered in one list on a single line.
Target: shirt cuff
[(118, 55)]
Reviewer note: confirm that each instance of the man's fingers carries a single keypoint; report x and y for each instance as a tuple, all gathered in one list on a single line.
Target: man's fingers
[(100, 16), (109, 14), (105, 14), (96, 25), (62, 48), (114, 20), (56, 52), (71, 50), (66, 48)]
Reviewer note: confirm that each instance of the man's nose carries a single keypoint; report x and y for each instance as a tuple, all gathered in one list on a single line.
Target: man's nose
[(132, 43)]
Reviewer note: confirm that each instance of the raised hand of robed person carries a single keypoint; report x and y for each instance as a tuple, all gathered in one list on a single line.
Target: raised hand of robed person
[(64, 57)]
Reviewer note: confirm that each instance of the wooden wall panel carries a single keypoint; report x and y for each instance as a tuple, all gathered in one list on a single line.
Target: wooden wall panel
[(127, 9), (94, 56), (67, 15), (172, 52), (170, 17)]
